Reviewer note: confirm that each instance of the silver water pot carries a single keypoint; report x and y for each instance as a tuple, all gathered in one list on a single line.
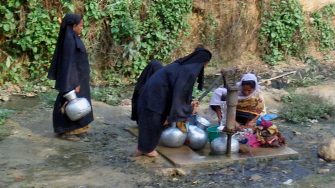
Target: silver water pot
[(219, 145), (76, 107), (202, 122), (196, 137), (173, 137)]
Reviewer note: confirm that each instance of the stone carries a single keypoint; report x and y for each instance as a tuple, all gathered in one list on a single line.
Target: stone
[(288, 182), (255, 177), (296, 133), (327, 151), (172, 172), (4, 98), (125, 102), (323, 171)]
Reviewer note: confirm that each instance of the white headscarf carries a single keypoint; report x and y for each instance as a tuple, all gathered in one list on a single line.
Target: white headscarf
[(248, 77), (216, 97)]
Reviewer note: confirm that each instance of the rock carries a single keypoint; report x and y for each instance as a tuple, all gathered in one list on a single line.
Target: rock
[(4, 98), (288, 182), (200, 5), (327, 151), (323, 171), (313, 120), (255, 177), (31, 94), (125, 102), (296, 133), (326, 116), (172, 172)]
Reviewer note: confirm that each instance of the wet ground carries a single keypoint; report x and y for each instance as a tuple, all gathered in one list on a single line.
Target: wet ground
[(32, 157)]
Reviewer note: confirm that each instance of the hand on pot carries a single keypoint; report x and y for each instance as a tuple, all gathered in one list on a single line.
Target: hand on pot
[(195, 106), (77, 89)]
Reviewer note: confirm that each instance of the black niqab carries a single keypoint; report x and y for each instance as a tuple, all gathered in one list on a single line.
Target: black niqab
[(59, 61), (147, 72), (199, 55)]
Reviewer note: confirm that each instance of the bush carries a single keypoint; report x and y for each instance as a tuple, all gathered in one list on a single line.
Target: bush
[(4, 130), (301, 108)]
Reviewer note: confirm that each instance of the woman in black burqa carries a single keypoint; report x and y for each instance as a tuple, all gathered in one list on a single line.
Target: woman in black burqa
[(71, 71), (147, 72), (167, 96)]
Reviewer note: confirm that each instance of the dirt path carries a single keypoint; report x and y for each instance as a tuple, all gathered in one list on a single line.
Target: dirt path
[(33, 157)]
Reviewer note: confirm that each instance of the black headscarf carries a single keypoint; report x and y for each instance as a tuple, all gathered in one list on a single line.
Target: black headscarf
[(200, 55), (66, 29), (148, 71)]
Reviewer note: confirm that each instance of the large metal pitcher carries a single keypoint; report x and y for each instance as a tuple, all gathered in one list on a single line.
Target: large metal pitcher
[(196, 137), (173, 137), (77, 107), (219, 145)]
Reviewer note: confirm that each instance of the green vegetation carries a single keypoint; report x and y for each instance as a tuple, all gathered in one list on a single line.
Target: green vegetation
[(301, 108), (282, 32), (4, 130), (287, 31), (121, 35), (48, 98), (309, 76), (324, 29), (4, 113), (112, 95)]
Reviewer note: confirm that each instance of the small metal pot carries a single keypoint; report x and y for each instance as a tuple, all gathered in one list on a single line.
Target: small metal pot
[(202, 123), (173, 137), (196, 137), (219, 145), (77, 108)]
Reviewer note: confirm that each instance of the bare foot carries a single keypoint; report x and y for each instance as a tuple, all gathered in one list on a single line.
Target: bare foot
[(150, 154)]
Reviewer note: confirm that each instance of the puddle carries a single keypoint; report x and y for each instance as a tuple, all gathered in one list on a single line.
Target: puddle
[(17, 102)]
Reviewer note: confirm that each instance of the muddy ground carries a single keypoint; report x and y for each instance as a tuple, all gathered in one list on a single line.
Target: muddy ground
[(33, 157)]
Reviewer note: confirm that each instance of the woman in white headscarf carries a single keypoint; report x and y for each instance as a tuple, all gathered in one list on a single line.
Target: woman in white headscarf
[(250, 102)]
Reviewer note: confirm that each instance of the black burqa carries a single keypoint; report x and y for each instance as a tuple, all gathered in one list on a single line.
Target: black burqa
[(147, 72), (69, 68), (168, 95)]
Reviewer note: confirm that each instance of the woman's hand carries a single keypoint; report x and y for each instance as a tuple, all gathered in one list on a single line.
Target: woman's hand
[(77, 89), (166, 123), (195, 106)]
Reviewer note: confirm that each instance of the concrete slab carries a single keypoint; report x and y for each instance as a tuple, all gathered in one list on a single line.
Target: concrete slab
[(186, 157)]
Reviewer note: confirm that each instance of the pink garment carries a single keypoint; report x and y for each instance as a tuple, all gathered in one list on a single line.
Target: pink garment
[(252, 141), (266, 124)]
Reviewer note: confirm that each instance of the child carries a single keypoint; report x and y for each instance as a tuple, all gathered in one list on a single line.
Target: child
[(218, 101)]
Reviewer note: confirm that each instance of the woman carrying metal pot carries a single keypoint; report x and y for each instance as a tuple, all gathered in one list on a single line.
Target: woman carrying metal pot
[(167, 97), (70, 69)]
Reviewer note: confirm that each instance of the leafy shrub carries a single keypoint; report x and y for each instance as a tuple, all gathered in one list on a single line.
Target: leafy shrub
[(112, 95), (323, 24), (4, 113), (282, 31), (4, 130), (48, 98), (301, 108)]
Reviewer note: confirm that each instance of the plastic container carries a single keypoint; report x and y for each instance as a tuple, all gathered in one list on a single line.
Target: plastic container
[(213, 132)]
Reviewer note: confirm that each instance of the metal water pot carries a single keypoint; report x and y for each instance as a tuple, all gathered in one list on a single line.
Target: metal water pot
[(219, 145), (77, 107), (173, 137), (196, 137), (202, 122), (199, 121)]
